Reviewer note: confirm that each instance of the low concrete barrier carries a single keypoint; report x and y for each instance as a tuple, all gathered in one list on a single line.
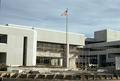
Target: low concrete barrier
[(57, 77)]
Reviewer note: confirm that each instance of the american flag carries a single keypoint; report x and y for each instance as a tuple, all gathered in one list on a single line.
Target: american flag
[(65, 13)]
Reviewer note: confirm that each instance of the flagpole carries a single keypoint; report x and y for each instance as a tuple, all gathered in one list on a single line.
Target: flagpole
[(67, 42)]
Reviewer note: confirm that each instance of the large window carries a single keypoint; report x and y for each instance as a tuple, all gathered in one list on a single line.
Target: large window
[(102, 60), (3, 38), (43, 61), (111, 55), (48, 61)]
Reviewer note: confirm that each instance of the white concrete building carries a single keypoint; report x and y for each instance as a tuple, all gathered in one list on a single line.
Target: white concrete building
[(17, 44), (20, 45), (103, 50), (27, 46)]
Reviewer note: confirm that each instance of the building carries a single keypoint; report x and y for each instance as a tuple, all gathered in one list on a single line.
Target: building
[(27, 46), (102, 51)]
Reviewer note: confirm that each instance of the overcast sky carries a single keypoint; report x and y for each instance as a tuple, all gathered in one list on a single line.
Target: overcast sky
[(85, 16)]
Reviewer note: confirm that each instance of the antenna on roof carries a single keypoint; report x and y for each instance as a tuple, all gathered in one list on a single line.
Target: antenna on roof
[(6, 24), (33, 28)]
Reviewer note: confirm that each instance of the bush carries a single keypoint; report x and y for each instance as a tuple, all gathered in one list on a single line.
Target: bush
[(3, 67)]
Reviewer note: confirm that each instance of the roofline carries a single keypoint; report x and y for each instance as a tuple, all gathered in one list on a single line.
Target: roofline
[(34, 28), (17, 26), (107, 29), (57, 31)]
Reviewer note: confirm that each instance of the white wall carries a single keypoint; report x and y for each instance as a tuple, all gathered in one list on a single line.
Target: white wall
[(14, 46), (59, 37), (113, 35)]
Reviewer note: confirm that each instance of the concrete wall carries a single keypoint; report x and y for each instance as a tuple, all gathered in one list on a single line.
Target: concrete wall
[(59, 37), (14, 46), (100, 35), (113, 35), (107, 35), (3, 47)]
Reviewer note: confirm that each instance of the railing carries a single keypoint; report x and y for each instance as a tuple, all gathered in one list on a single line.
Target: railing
[(57, 77)]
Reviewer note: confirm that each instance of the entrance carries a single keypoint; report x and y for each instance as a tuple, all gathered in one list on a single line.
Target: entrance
[(102, 60)]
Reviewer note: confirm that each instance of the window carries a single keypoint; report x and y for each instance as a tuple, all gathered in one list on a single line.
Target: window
[(111, 55), (114, 46), (3, 58), (3, 38), (43, 60)]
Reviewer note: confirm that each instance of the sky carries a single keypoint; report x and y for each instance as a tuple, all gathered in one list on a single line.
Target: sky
[(85, 16)]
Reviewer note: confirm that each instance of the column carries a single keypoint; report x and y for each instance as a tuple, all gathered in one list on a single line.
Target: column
[(60, 62)]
